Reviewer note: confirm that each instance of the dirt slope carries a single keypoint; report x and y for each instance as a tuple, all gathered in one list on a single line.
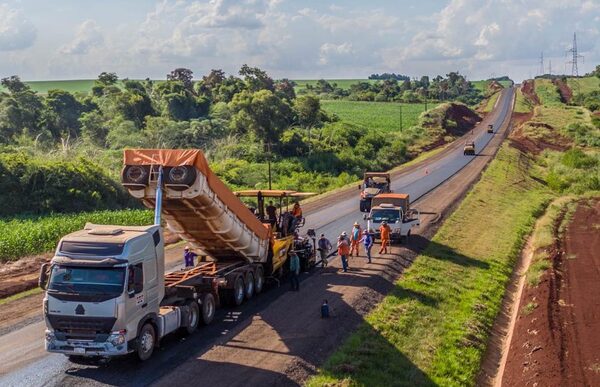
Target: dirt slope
[(557, 343)]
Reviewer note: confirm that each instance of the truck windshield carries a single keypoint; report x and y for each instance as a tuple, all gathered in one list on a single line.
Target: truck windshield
[(390, 216), (69, 279)]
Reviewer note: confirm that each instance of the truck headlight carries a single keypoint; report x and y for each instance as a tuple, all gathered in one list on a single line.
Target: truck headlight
[(117, 338), (50, 338)]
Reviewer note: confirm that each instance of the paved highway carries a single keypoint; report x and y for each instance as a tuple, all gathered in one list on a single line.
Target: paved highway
[(23, 361)]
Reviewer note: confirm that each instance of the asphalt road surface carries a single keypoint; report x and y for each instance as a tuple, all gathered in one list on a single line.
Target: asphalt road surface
[(277, 337)]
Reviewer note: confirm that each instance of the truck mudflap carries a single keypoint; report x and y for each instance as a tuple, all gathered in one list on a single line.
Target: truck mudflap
[(87, 348)]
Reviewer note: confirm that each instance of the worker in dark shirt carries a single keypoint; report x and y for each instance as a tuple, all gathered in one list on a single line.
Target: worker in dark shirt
[(188, 257), (271, 213)]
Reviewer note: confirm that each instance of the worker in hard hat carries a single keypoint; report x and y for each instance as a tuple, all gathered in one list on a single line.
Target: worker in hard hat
[(367, 240), (324, 247), (385, 232), (355, 237), (188, 257), (343, 250), (296, 215)]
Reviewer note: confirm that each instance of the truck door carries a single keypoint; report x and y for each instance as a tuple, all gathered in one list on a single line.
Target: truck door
[(137, 302)]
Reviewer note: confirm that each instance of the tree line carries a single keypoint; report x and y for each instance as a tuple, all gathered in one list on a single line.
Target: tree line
[(394, 88)]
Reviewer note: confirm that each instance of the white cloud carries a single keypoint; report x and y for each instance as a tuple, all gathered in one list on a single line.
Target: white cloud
[(87, 37), (16, 32), (329, 51)]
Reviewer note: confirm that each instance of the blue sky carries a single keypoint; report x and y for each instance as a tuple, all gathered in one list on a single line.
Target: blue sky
[(62, 39)]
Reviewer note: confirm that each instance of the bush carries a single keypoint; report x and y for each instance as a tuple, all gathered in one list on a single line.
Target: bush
[(33, 186)]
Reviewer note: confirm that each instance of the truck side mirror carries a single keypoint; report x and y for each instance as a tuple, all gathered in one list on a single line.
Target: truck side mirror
[(360, 187), (44, 272), (365, 217)]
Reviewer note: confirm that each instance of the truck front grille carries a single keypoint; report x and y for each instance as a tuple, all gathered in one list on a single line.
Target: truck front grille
[(76, 327)]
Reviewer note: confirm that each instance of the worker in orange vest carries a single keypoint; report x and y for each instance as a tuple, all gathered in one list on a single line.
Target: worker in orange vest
[(343, 251), (385, 231), (296, 215), (355, 238)]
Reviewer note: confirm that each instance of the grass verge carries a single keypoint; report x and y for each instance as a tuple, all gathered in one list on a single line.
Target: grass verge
[(433, 327), (18, 296), (491, 102)]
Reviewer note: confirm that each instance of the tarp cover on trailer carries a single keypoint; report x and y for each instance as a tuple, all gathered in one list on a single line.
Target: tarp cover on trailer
[(195, 157)]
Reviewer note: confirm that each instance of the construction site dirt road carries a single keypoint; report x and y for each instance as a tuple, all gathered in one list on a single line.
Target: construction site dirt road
[(278, 338)]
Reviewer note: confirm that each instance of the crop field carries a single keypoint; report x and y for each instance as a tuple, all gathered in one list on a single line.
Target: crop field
[(383, 116), (583, 85), (21, 237), (72, 86)]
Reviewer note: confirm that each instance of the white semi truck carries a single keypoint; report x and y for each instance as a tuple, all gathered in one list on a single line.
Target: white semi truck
[(106, 293)]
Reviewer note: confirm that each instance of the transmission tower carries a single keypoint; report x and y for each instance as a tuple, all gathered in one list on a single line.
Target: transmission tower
[(550, 67), (542, 68), (575, 57)]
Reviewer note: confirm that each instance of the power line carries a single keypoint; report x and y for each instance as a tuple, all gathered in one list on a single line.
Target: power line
[(575, 57)]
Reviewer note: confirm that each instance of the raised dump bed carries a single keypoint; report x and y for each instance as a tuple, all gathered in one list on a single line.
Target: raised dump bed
[(196, 204)]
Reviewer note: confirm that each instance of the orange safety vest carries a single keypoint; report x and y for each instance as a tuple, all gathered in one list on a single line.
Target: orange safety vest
[(343, 248), (297, 212), (385, 231)]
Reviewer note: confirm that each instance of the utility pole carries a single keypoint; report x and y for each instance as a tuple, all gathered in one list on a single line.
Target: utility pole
[(268, 144), (575, 57), (542, 68), (400, 116)]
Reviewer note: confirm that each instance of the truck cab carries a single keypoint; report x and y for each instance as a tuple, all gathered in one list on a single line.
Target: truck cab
[(374, 183), (395, 210), (103, 285), (490, 128)]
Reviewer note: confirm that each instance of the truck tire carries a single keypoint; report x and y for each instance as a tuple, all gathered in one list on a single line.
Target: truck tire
[(249, 282), (193, 316), (208, 309), (238, 292), (145, 342), (259, 280)]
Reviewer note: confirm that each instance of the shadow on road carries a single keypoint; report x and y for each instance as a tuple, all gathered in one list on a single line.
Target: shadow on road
[(281, 329)]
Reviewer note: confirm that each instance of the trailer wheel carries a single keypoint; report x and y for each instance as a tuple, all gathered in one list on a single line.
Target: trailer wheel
[(249, 285), (145, 342), (259, 280), (208, 308), (238, 291), (193, 316)]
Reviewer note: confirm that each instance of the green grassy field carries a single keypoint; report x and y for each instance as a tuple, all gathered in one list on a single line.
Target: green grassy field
[(432, 329), (491, 102), (583, 85), (522, 105), (547, 92), (72, 86), (383, 116), (341, 83)]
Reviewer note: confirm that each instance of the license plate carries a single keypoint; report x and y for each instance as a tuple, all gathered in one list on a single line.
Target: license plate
[(79, 350)]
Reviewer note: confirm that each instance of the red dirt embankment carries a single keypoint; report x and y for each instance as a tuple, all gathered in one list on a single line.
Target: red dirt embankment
[(528, 90), (493, 87), (556, 340), (565, 91)]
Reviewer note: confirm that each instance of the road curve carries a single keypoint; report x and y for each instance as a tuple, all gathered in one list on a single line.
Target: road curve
[(213, 345)]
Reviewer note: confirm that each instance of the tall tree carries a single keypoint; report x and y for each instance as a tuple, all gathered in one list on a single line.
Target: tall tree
[(256, 79), (182, 75)]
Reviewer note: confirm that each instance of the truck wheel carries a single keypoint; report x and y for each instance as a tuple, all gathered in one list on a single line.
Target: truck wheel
[(238, 291), (208, 308), (259, 280), (249, 285), (193, 316), (146, 341)]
